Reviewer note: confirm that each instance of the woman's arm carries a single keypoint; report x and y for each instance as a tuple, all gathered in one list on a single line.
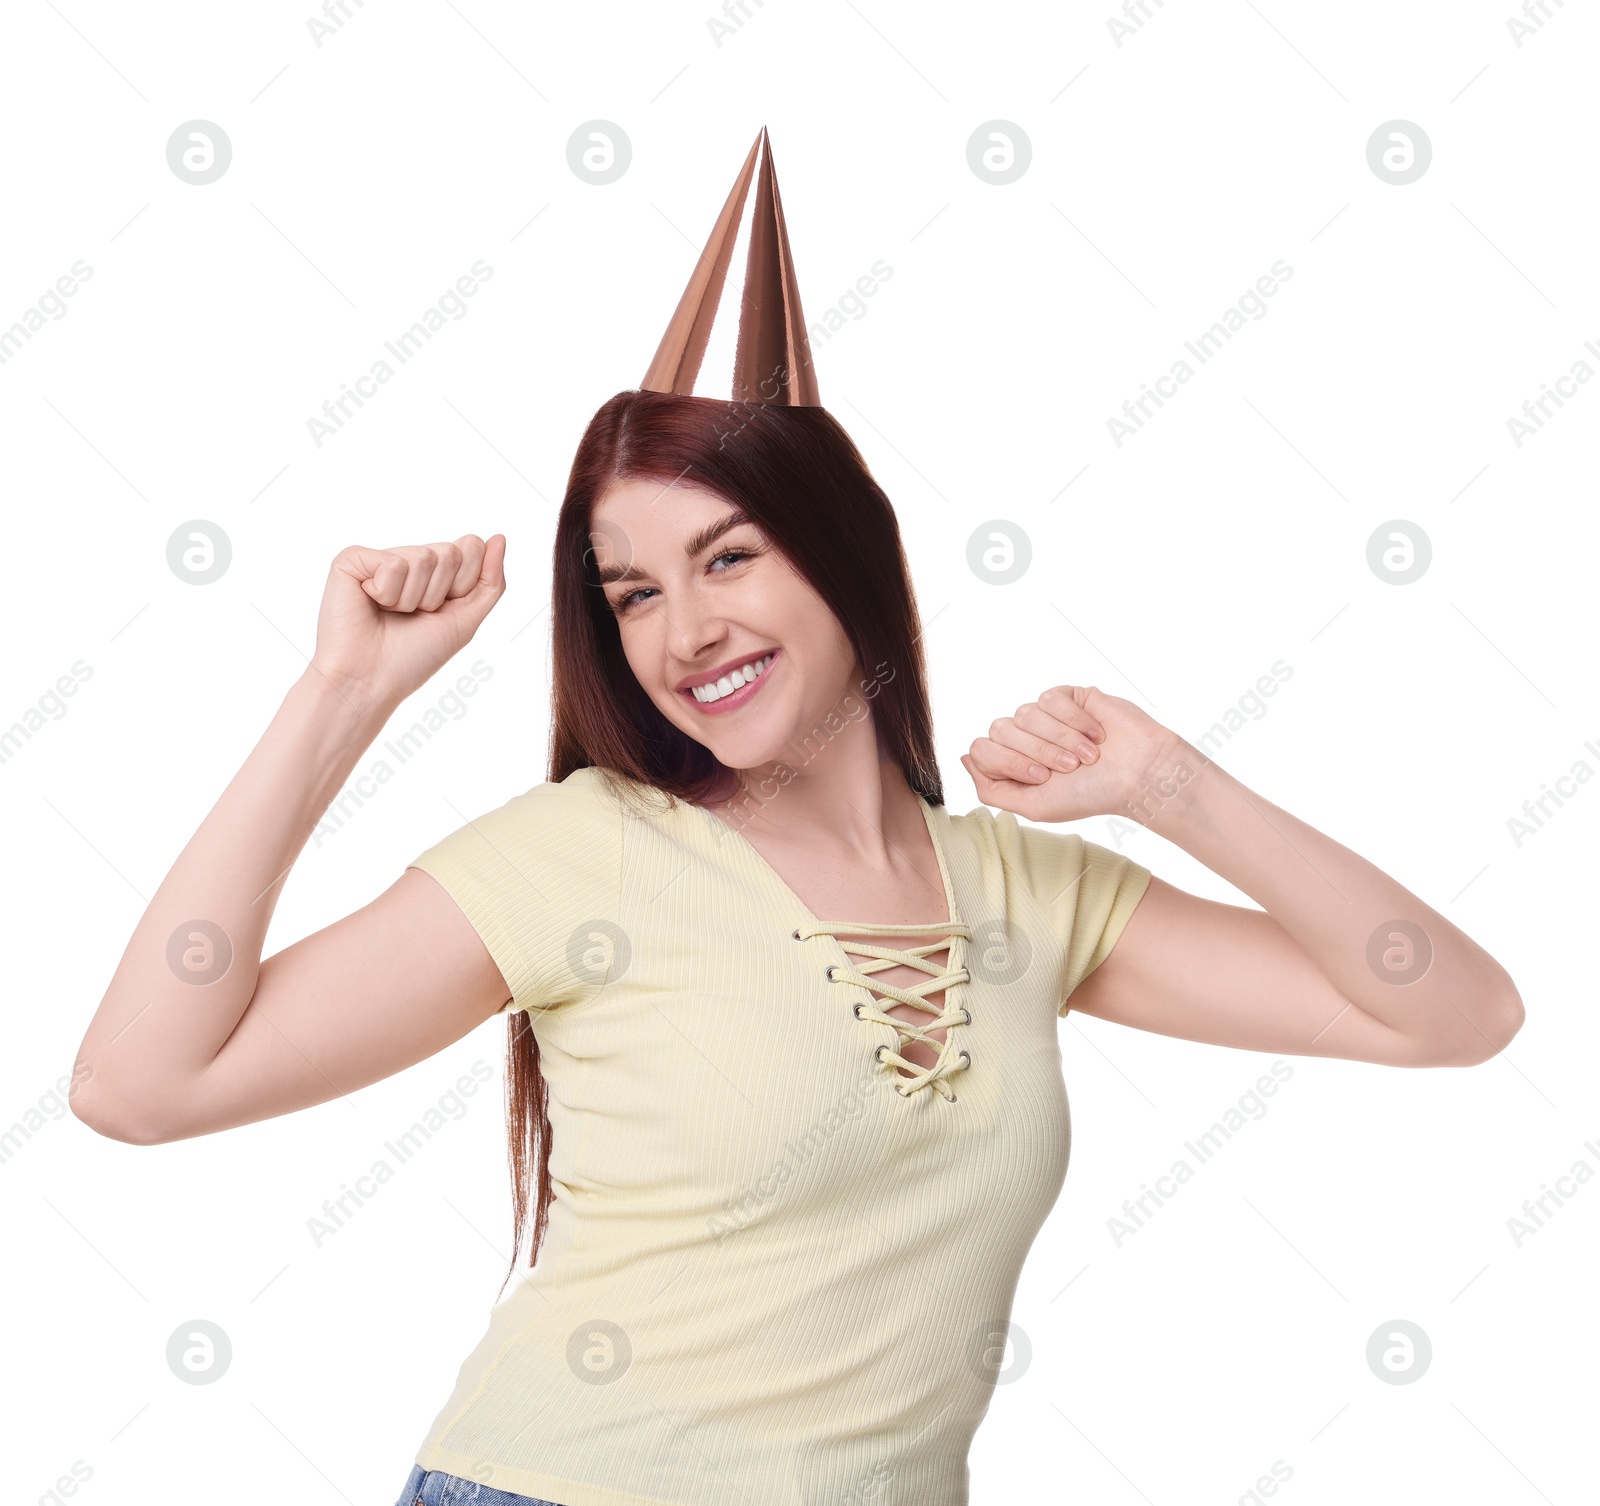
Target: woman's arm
[(195, 1033), (1340, 961), (1320, 970)]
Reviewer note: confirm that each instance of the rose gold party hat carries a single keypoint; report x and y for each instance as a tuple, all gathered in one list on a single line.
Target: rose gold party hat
[(750, 325)]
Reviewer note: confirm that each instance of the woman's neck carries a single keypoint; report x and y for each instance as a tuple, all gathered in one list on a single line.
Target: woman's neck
[(863, 812)]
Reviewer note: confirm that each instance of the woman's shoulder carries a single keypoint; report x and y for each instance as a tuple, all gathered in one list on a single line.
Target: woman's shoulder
[(582, 793), (600, 789), (591, 787), (591, 803), (573, 821), (1014, 840), (1043, 856)]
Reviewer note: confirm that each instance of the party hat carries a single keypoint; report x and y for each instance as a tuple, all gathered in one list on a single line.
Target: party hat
[(747, 327)]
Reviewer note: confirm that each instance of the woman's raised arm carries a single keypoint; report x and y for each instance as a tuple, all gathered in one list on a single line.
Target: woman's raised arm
[(195, 1032), (1341, 960)]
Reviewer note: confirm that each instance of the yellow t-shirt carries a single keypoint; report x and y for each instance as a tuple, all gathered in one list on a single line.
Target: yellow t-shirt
[(779, 1267)]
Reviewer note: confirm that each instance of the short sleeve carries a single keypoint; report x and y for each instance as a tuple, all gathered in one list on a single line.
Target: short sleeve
[(539, 880), (1086, 892)]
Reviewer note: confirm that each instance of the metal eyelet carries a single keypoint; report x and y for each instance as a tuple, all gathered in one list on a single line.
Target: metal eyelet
[(968, 1013), (829, 973), (967, 1057), (794, 935), (878, 1054), (902, 1092), (855, 1008)]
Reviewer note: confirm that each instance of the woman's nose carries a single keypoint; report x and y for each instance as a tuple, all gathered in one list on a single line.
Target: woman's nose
[(696, 625)]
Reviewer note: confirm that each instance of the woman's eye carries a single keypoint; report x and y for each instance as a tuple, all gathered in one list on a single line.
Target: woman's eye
[(625, 603)]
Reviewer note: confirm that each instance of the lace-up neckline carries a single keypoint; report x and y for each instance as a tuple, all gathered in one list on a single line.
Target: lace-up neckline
[(951, 1059), (944, 935)]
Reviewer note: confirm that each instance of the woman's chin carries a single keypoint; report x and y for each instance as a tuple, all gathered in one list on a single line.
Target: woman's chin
[(750, 756)]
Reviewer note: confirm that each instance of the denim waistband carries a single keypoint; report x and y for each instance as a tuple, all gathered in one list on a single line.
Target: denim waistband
[(433, 1487)]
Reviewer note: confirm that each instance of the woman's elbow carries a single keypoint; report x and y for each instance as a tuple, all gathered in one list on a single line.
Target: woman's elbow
[(1511, 1018), (116, 1117), (1492, 1035)]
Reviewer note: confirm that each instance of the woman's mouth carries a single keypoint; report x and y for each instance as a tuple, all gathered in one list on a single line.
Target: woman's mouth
[(734, 688)]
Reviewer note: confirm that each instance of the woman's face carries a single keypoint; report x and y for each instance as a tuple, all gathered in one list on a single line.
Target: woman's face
[(698, 595)]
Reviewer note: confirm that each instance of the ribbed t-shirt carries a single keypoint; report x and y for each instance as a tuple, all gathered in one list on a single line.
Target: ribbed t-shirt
[(781, 1257)]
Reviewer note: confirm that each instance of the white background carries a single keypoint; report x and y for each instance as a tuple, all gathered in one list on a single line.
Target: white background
[(1167, 175)]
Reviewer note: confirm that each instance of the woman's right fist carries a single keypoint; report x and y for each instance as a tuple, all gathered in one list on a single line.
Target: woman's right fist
[(391, 617)]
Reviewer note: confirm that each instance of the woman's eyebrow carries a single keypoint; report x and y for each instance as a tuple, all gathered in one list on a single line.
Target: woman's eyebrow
[(712, 532), (696, 545)]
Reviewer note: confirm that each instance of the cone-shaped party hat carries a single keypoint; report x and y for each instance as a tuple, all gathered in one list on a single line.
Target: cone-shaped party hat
[(748, 324)]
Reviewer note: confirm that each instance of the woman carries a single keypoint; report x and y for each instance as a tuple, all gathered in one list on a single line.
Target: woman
[(790, 1165)]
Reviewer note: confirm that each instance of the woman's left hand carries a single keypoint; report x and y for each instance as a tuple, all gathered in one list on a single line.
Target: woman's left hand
[(1099, 756)]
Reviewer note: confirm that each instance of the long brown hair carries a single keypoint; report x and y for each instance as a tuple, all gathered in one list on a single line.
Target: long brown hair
[(798, 475)]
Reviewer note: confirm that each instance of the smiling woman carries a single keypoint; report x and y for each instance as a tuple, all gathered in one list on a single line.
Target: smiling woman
[(787, 1098), (671, 972), (666, 531)]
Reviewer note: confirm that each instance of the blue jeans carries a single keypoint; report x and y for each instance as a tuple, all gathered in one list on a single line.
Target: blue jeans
[(426, 1487)]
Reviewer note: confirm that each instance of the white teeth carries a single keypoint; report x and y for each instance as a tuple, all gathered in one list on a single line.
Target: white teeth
[(732, 681)]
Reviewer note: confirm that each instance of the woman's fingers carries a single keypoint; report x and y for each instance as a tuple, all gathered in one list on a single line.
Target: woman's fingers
[(440, 576), (413, 577), (383, 573), (1057, 733), (986, 784), (483, 571), (470, 550), (999, 760), (1031, 748), (1069, 705), (422, 562), (1054, 735), (1057, 748)]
